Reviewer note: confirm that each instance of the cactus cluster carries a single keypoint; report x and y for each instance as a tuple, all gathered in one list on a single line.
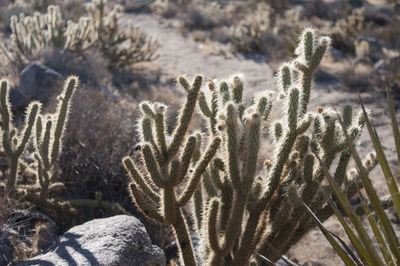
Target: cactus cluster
[(98, 29), (240, 208), (253, 32), (48, 136), (346, 30), (46, 130), (14, 141)]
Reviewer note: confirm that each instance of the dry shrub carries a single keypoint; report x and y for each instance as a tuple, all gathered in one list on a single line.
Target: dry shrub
[(7, 205), (99, 134), (357, 81), (101, 131), (90, 67), (207, 16), (391, 34), (346, 30), (253, 32)]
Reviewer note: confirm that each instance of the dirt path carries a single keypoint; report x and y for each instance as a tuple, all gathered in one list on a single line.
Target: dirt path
[(177, 55)]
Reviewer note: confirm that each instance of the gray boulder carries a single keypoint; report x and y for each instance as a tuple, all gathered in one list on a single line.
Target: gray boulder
[(18, 100), (39, 82), (118, 240)]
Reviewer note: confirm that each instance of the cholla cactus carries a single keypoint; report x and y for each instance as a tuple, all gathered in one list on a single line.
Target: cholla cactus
[(14, 141), (241, 209), (346, 30), (48, 138), (122, 47), (31, 35), (252, 32), (154, 191)]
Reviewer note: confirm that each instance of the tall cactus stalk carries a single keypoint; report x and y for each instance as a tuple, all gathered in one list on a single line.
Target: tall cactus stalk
[(48, 138), (14, 141)]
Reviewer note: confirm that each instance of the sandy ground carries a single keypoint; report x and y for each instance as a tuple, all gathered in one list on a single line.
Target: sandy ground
[(180, 55)]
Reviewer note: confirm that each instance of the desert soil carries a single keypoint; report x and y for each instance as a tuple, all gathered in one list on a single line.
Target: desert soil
[(181, 55)]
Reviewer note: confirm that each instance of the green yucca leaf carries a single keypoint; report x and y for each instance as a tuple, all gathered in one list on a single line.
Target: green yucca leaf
[(387, 228), (371, 219), (344, 255), (369, 254), (361, 251), (392, 185), (395, 126)]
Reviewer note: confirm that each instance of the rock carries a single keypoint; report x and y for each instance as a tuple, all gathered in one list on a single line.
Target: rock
[(6, 247), (39, 82), (118, 240), (18, 100)]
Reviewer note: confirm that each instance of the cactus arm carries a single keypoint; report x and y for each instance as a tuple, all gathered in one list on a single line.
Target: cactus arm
[(139, 180), (184, 83), (204, 106), (146, 109), (185, 117), (45, 144), (32, 111), (232, 146), (5, 116), (215, 177), (292, 108), (249, 239), (226, 204), (224, 92), (214, 109), (340, 171), (200, 168), (212, 216), (308, 168), (38, 131), (62, 116), (160, 133), (146, 129), (285, 80), (198, 207), (141, 202), (186, 158), (185, 245), (251, 153), (40, 170), (152, 167)]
